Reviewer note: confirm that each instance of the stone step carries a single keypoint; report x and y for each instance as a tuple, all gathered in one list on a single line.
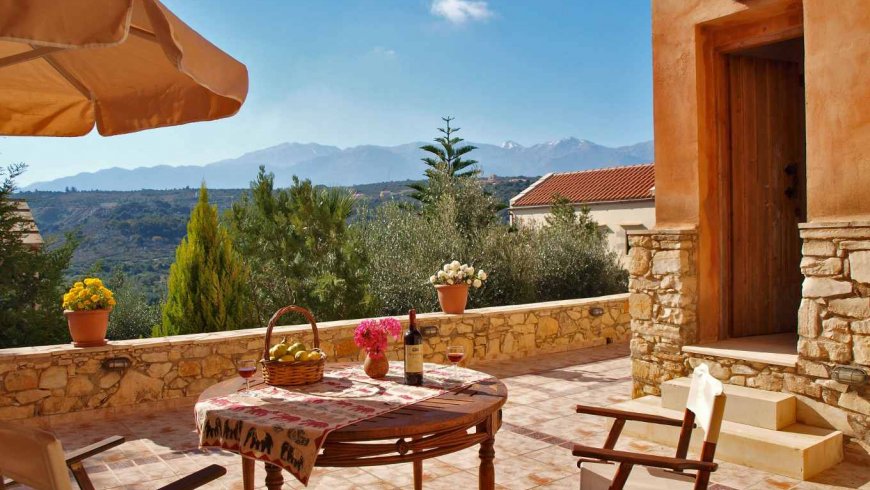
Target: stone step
[(797, 451), (748, 406)]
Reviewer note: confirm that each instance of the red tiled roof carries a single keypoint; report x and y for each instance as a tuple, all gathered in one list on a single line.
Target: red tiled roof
[(598, 185)]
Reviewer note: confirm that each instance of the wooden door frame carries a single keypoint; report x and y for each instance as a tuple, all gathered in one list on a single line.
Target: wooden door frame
[(715, 42)]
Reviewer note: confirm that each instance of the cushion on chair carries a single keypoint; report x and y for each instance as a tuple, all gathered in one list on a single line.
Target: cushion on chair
[(33, 457), (597, 476)]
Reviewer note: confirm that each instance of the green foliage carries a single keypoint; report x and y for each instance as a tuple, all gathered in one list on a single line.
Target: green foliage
[(32, 283), (569, 259), (445, 165), (207, 282), (133, 317), (299, 249)]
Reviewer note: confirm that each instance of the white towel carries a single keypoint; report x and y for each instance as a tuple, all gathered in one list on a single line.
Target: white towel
[(702, 393)]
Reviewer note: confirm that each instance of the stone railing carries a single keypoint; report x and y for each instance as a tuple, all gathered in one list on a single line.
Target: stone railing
[(65, 382)]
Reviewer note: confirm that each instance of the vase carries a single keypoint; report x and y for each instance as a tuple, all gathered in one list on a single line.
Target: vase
[(376, 368), (452, 298), (88, 327)]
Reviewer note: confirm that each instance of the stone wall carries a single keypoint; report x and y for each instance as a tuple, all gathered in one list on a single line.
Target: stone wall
[(60, 379), (834, 321), (663, 304)]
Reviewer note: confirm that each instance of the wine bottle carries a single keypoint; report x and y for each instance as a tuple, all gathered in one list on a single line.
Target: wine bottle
[(413, 352)]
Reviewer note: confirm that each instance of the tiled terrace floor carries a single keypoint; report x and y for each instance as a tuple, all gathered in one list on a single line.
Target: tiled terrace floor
[(531, 449)]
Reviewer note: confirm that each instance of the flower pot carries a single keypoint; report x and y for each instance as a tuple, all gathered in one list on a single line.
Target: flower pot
[(452, 297), (88, 327), (376, 368)]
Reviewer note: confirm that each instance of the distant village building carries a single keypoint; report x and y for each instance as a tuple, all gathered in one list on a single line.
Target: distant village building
[(29, 232), (620, 199)]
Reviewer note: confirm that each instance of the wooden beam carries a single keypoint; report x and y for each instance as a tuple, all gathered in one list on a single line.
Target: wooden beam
[(26, 56)]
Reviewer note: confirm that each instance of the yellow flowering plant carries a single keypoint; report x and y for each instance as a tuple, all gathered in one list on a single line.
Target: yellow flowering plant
[(89, 294)]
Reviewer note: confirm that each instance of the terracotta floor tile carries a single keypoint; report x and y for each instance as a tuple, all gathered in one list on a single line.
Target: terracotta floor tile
[(538, 418)]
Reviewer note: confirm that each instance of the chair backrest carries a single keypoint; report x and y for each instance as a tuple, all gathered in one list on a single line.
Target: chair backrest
[(33, 457), (707, 401)]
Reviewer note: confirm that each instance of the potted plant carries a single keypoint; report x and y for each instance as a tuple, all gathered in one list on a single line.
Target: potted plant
[(372, 337), (86, 308), (452, 283)]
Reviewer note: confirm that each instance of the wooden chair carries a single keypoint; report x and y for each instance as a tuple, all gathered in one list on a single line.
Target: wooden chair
[(607, 468), (35, 458)]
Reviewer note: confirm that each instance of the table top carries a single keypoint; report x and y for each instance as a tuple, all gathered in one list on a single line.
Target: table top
[(465, 407)]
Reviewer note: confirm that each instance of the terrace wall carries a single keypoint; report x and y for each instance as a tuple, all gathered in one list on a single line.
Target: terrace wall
[(63, 381)]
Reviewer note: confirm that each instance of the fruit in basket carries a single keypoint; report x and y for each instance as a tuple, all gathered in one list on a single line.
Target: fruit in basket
[(316, 355), (279, 350), (296, 348), (302, 355), (286, 358)]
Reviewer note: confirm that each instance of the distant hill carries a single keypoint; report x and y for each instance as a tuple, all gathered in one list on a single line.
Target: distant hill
[(137, 231), (330, 165)]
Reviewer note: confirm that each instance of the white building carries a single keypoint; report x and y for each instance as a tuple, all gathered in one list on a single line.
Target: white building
[(619, 199)]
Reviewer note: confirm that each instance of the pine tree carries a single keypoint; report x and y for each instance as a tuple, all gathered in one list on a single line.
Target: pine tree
[(445, 165), (207, 282)]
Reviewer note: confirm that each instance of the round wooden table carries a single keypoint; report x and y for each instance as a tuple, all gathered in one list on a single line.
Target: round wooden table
[(426, 429)]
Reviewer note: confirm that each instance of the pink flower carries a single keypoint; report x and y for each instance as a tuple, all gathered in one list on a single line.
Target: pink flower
[(372, 335)]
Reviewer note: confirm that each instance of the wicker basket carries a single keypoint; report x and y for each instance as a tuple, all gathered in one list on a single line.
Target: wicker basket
[(291, 373)]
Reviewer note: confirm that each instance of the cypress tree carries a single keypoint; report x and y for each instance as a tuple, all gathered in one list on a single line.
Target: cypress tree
[(207, 283)]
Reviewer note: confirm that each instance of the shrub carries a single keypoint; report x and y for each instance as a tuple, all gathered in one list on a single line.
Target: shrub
[(207, 289), (132, 317)]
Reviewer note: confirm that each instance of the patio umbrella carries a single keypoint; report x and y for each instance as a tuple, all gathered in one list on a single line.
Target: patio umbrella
[(124, 65)]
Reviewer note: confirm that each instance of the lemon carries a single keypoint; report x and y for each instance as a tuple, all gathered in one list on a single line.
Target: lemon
[(302, 356), (286, 358)]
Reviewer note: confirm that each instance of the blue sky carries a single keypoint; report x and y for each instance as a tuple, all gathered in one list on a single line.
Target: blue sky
[(383, 72)]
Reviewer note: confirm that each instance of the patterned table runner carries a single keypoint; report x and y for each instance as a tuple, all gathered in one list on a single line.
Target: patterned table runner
[(287, 426)]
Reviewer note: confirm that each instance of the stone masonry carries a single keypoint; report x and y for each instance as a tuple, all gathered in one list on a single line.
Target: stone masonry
[(663, 303), (61, 380), (834, 322)]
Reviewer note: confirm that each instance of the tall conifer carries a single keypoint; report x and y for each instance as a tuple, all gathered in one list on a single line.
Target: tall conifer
[(207, 282)]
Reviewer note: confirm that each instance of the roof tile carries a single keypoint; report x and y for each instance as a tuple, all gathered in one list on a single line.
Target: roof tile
[(631, 182)]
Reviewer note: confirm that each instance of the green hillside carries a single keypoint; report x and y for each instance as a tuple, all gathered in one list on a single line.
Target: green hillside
[(137, 231)]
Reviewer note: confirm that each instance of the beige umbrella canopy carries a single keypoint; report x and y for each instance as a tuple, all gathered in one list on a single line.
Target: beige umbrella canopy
[(124, 65)]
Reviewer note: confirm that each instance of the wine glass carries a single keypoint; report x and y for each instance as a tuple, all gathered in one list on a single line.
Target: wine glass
[(246, 369), (455, 354)]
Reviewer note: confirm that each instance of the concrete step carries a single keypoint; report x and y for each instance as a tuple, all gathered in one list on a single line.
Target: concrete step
[(748, 406), (797, 451)]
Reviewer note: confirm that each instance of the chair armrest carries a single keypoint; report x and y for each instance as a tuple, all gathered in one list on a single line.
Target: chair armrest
[(623, 415), (78, 455), (676, 464), (197, 479)]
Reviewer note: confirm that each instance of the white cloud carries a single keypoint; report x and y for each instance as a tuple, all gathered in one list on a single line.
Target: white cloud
[(383, 52), (460, 11)]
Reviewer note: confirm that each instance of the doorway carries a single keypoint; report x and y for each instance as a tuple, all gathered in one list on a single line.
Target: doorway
[(764, 184)]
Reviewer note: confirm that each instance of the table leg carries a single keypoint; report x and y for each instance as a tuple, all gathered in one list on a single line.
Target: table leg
[(274, 478), (418, 474), (486, 473), (248, 473)]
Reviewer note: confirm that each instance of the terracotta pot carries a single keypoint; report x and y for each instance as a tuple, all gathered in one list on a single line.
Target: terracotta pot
[(88, 328), (376, 368), (452, 297)]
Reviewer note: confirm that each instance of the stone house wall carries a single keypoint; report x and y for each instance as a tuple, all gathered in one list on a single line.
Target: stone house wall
[(62, 381), (834, 323), (663, 304)]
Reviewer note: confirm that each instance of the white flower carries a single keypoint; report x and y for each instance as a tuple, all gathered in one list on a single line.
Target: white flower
[(477, 283), (469, 270), (433, 279), (446, 267), (442, 275), (449, 281), (481, 275), (468, 282), (455, 265)]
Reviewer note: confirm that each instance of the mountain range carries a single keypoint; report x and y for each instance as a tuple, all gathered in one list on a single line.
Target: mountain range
[(331, 165)]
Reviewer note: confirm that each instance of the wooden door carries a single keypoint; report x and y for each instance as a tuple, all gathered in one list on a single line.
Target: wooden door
[(767, 194)]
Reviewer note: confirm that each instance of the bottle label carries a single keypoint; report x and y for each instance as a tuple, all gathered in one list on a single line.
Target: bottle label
[(413, 358)]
